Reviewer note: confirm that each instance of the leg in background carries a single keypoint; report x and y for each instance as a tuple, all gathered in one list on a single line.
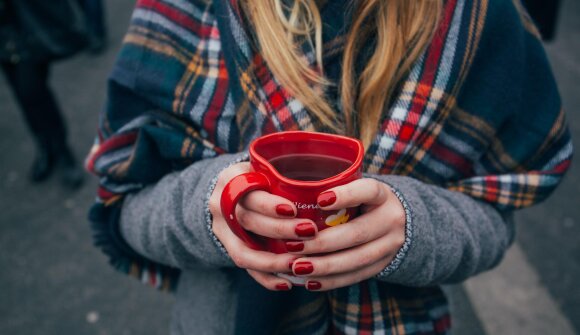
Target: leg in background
[(94, 11), (29, 82)]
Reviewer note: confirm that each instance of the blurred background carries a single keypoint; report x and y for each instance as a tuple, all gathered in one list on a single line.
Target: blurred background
[(53, 281)]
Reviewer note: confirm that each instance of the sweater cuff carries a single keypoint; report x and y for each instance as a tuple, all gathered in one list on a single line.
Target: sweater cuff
[(409, 227), (208, 216), (398, 259)]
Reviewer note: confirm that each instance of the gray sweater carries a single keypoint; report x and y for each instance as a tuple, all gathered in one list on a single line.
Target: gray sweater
[(450, 237)]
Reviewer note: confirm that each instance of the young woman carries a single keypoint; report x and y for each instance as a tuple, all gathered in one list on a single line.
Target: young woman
[(454, 101)]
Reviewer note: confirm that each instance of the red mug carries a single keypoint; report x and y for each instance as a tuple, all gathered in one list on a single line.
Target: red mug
[(298, 166)]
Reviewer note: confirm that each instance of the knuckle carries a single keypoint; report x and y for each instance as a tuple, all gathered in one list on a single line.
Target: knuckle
[(346, 192), (366, 259), (399, 240), (263, 207), (248, 199), (378, 189), (225, 176), (279, 229), (242, 167), (216, 228), (214, 206), (401, 217), (359, 236), (244, 218), (270, 264), (379, 255), (315, 246), (321, 268), (327, 285), (239, 260)]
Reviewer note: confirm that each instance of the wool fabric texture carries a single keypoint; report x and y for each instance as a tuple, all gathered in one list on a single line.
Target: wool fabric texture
[(479, 113)]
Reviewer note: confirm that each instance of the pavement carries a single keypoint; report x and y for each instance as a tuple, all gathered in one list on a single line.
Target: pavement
[(53, 281)]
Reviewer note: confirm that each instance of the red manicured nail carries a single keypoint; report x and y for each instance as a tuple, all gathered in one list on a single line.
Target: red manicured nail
[(284, 210), (303, 268), (313, 285), (282, 287), (326, 198), (294, 246), (305, 229)]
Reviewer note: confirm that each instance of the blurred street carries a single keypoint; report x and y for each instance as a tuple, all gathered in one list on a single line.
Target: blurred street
[(53, 281)]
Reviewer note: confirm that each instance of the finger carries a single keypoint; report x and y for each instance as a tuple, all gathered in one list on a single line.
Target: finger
[(351, 260), (360, 230), (224, 177), (270, 281), (230, 172), (269, 204), (286, 229), (247, 258), (361, 191), (345, 279)]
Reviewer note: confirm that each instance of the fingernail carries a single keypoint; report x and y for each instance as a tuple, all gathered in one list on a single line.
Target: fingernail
[(282, 287), (313, 285), (305, 229), (284, 210), (291, 264), (326, 198), (303, 268), (294, 246)]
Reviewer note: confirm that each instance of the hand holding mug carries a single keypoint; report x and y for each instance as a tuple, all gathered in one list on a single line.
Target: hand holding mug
[(263, 214), (297, 185), (353, 252), (287, 172), (344, 255)]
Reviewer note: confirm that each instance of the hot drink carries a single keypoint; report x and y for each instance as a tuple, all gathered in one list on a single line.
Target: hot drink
[(309, 167)]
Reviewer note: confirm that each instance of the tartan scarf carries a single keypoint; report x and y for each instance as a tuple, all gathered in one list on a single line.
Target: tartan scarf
[(479, 113)]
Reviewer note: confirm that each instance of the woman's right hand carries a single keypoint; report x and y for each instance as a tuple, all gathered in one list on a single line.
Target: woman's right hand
[(264, 214)]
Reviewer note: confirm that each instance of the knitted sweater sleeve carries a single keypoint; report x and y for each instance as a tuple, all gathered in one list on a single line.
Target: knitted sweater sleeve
[(449, 235), (169, 222)]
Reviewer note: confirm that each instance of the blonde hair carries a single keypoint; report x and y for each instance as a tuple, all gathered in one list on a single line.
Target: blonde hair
[(403, 29)]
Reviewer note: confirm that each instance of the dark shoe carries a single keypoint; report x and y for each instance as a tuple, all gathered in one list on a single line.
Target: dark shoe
[(71, 174), (43, 164)]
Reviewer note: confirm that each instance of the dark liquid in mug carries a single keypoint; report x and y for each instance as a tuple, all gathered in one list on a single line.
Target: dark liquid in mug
[(309, 167)]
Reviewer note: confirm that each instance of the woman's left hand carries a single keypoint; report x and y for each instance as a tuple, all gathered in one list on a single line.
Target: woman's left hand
[(358, 249)]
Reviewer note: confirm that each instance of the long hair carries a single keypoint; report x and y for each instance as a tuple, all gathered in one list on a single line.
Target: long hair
[(401, 30)]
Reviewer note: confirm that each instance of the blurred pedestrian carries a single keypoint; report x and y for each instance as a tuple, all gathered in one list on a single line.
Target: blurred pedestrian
[(96, 28), (34, 34), (545, 15), (454, 101)]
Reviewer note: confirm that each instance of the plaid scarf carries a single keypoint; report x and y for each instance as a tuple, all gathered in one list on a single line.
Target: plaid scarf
[(479, 113)]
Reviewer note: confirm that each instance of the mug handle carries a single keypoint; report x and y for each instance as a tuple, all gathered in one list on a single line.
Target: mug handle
[(233, 192)]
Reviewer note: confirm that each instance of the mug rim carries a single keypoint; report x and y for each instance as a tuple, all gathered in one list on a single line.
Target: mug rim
[(352, 169)]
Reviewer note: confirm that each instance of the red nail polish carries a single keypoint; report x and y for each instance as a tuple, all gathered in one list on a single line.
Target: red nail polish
[(282, 287), (294, 246), (326, 198), (284, 210), (305, 229), (303, 268), (313, 285)]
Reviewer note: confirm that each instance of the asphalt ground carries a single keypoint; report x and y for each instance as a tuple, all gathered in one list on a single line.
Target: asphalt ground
[(53, 281)]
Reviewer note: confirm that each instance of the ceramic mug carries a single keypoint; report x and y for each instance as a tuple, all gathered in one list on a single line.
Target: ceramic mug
[(298, 166)]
